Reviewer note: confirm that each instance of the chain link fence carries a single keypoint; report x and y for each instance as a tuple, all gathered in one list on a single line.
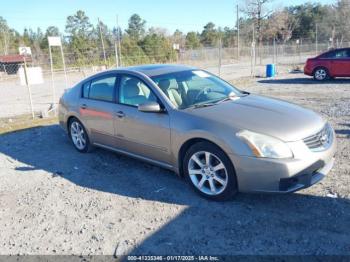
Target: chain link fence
[(15, 95)]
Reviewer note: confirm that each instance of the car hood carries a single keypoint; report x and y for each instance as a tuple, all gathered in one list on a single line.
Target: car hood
[(264, 115)]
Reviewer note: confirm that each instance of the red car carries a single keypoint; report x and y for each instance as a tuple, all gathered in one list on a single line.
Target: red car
[(331, 64)]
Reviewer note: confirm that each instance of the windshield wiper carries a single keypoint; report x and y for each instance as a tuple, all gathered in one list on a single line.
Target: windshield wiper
[(203, 105), (231, 97), (227, 98)]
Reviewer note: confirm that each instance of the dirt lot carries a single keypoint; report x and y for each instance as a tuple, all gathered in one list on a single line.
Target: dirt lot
[(57, 201)]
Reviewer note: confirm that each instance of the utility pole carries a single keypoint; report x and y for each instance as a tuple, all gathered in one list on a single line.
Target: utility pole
[(220, 51), (28, 86), (316, 39), (238, 51), (103, 45), (118, 40), (274, 49), (253, 55), (116, 54), (333, 35)]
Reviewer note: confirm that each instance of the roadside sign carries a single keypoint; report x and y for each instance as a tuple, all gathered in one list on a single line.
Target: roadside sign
[(176, 46), (34, 76), (25, 50), (54, 41)]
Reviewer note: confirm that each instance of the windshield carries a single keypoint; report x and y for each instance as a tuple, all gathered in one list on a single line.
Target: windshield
[(194, 87)]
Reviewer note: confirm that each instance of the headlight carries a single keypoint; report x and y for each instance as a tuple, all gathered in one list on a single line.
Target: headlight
[(265, 146)]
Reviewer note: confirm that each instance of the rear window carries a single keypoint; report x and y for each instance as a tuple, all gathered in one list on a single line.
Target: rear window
[(337, 54), (101, 89), (86, 88)]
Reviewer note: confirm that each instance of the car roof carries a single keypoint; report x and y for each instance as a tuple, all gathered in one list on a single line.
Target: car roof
[(157, 69), (336, 49)]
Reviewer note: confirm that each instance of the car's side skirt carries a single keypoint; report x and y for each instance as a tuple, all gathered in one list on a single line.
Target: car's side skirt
[(142, 158)]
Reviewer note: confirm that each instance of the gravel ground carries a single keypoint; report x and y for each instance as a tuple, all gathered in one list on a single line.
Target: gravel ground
[(57, 201)]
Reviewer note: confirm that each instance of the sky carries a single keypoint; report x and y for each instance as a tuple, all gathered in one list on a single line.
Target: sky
[(185, 15)]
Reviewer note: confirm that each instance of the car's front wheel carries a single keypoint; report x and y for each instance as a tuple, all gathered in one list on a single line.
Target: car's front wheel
[(210, 171), (321, 74), (79, 136)]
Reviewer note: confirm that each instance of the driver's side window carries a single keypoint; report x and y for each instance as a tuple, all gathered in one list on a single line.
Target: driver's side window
[(134, 92)]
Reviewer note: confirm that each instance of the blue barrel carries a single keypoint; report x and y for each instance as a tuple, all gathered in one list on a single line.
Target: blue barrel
[(270, 70)]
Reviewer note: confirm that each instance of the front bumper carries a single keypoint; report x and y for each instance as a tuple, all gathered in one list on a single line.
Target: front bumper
[(283, 175), (306, 178), (307, 71)]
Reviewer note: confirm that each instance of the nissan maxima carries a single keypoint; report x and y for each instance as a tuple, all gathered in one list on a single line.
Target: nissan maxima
[(220, 139)]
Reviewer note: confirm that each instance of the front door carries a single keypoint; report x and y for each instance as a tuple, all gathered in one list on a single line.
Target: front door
[(144, 134), (341, 63), (97, 107)]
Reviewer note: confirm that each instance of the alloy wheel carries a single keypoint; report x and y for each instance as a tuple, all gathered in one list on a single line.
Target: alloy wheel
[(78, 135), (320, 74), (207, 173)]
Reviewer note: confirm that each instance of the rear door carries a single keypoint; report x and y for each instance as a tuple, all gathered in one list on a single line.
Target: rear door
[(97, 107)]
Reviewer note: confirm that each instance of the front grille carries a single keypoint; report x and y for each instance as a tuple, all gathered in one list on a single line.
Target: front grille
[(321, 140)]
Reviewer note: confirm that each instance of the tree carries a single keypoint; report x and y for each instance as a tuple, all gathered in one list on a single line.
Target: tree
[(80, 32), (179, 38), (26, 38), (107, 35), (209, 36), (50, 31), (228, 37), (192, 40), (255, 9), (78, 24), (136, 27), (307, 16), (342, 10), (281, 25), (132, 53), (158, 48), (4, 36)]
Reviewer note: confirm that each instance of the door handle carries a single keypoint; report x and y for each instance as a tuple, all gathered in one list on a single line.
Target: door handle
[(83, 106), (120, 114)]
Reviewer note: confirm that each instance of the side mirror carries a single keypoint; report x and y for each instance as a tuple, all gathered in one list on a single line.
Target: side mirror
[(150, 107)]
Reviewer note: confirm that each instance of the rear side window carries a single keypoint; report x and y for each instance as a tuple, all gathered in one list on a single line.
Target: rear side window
[(86, 88), (102, 89), (328, 55), (341, 54), (337, 54)]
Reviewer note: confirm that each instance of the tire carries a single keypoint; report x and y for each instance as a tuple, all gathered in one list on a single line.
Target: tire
[(77, 132), (215, 180), (321, 74)]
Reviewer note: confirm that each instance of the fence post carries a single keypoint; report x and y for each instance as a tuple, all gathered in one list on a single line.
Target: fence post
[(28, 87), (52, 79), (119, 40), (102, 43), (64, 67), (316, 39), (116, 54), (274, 49), (220, 62), (252, 60), (238, 52)]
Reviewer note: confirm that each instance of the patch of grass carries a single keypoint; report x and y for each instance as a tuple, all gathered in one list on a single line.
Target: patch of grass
[(8, 125)]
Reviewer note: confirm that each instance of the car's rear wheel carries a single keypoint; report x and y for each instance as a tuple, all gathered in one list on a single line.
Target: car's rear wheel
[(321, 74), (210, 171), (79, 136)]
